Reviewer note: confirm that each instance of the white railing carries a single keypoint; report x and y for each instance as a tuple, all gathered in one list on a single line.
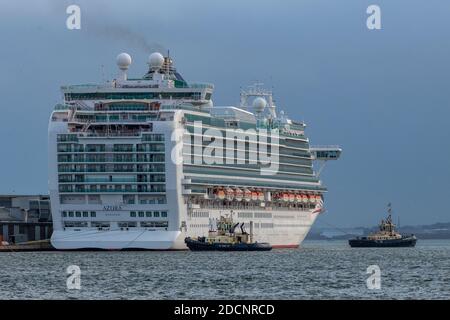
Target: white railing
[(325, 148)]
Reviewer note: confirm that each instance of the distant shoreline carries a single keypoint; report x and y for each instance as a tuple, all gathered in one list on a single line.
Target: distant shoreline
[(343, 238), (347, 237), (440, 230)]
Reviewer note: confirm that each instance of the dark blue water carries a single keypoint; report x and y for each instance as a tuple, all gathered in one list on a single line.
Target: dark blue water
[(318, 270)]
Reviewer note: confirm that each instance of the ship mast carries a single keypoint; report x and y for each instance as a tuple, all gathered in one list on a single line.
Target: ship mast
[(389, 224)]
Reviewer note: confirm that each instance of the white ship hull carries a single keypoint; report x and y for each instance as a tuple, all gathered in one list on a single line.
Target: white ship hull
[(286, 229)]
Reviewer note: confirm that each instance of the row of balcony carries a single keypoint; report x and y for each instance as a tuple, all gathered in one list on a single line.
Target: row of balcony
[(129, 148), (157, 148), (113, 180), (116, 118), (111, 160), (115, 189), (123, 133)]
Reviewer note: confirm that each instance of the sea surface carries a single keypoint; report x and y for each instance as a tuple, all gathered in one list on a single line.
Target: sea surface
[(317, 270)]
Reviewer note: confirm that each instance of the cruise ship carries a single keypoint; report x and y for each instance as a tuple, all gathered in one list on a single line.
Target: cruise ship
[(144, 163)]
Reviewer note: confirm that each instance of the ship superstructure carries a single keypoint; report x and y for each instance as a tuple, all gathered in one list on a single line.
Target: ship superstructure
[(144, 163)]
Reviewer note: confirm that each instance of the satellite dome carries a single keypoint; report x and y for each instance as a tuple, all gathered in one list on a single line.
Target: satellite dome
[(156, 60), (259, 104), (123, 61)]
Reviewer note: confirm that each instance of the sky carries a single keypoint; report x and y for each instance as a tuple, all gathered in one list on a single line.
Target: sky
[(382, 95)]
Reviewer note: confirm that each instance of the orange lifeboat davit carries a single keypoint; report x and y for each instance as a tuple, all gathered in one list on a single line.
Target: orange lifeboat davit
[(220, 194), (304, 198), (247, 195), (229, 194), (291, 197), (260, 196), (238, 194)]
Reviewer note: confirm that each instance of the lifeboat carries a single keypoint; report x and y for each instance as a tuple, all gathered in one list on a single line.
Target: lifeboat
[(318, 198), (260, 196), (229, 194), (304, 198), (220, 194), (291, 197), (238, 194), (298, 197), (285, 197), (254, 195), (247, 195)]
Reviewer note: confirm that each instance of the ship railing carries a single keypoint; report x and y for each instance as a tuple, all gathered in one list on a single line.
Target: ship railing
[(110, 134), (325, 153), (80, 120), (79, 104), (325, 147), (201, 85)]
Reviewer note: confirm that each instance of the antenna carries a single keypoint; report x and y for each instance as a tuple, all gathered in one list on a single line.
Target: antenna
[(103, 72), (168, 62)]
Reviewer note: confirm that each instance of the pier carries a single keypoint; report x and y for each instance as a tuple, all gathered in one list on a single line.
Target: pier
[(25, 222)]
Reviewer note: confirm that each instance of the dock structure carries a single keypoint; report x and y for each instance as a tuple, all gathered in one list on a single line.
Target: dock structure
[(41, 245), (24, 219)]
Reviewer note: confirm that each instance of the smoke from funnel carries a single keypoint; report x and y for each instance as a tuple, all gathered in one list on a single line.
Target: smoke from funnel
[(123, 34), (97, 20)]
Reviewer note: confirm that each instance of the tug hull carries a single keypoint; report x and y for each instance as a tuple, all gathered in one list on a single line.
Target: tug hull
[(369, 243), (196, 245)]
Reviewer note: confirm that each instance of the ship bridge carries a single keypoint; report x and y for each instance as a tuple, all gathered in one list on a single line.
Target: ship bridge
[(325, 153), (322, 154)]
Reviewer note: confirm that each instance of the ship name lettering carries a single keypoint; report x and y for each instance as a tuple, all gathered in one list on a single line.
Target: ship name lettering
[(112, 208)]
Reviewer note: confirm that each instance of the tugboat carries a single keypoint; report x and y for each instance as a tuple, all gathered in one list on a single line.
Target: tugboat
[(224, 238), (385, 237)]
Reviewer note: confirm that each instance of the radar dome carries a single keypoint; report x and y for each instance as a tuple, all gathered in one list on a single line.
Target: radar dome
[(156, 60), (259, 104), (123, 61)]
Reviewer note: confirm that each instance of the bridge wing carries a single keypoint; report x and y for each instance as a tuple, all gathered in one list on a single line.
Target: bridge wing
[(325, 153)]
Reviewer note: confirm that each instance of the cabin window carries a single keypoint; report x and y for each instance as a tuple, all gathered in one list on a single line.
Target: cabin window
[(100, 224)]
